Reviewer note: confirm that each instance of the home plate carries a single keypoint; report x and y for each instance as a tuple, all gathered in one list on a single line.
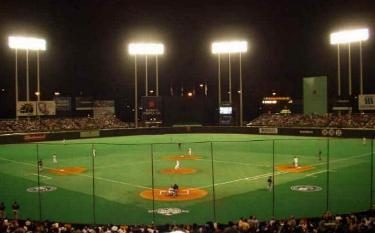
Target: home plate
[(61, 170)]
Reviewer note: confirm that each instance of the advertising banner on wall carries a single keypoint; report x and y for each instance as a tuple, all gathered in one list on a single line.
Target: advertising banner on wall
[(36, 108), (151, 106), (84, 103), (45, 108), (26, 108), (63, 103), (366, 102), (104, 107), (268, 130)]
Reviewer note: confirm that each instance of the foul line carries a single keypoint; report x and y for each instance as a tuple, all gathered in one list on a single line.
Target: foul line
[(46, 177), (83, 175)]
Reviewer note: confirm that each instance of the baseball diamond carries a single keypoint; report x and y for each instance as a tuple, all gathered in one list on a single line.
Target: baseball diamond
[(226, 177)]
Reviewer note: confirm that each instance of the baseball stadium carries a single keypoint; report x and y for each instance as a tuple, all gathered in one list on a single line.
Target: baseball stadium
[(137, 117)]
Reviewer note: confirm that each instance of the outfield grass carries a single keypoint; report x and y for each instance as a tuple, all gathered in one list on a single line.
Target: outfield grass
[(238, 165)]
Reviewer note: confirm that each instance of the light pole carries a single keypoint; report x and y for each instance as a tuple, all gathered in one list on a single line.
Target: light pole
[(144, 49), (348, 37), (230, 47), (28, 44)]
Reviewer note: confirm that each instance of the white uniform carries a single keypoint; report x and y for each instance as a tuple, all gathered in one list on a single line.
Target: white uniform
[(172, 192), (189, 151), (177, 165), (295, 162), (364, 141), (54, 158)]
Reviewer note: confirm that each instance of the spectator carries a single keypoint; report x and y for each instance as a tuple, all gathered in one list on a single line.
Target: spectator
[(15, 209), (2, 210)]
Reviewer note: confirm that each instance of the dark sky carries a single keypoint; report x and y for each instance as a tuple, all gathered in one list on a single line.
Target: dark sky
[(87, 43)]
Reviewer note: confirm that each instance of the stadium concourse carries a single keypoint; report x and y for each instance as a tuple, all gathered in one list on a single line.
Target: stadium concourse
[(360, 222)]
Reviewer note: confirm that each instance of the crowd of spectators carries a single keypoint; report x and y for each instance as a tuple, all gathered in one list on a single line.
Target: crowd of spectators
[(328, 223), (60, 124), (314, 120)]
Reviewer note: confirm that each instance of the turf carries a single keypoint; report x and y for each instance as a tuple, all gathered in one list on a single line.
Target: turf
[(237, 165)]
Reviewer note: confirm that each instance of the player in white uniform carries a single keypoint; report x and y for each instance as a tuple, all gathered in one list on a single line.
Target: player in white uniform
[(54, 158), (295, 161), (177, 165), (189, 151), (172, 192), (364, 141)]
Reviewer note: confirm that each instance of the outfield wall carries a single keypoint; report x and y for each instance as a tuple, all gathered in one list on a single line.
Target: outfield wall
[(316, 132)]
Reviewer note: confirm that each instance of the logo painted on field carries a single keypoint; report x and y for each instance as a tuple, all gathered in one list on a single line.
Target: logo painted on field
[(306, 188), (168, 211), (41, 189)]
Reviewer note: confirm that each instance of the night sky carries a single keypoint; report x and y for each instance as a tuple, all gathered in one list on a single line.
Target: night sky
[(87, 44)]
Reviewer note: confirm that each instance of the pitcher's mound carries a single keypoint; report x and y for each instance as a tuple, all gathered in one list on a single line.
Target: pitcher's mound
[(289, 168), (178, 171), (181, 157), (184, 194), (67, 170)]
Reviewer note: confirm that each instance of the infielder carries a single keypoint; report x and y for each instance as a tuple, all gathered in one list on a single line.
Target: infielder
[(295, 162), (177, 165)]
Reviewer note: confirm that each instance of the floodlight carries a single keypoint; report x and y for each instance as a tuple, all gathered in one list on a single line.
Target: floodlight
[(229, 47), (27, 43), (146, 49), (349, 36)]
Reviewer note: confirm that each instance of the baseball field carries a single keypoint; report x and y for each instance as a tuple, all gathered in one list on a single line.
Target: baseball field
[(221, 177)]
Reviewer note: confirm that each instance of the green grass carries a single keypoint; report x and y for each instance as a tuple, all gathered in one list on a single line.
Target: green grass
[(241, 164)]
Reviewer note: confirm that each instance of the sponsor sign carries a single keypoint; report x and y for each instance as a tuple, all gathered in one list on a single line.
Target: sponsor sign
[(45, 108), (26, 108), (341, 108), (41, 189), (151, 112), (84, 103), (34, 137), (63, 103), (366, 102), (104, 107), (332, 132), (338, 132), (306, 131), (36, 108), (168, 211), (306, 188), (324, 132), (89, 134), (268, 130)]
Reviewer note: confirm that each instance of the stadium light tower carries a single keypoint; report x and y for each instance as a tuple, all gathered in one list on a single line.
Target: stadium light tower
[(348, 37), (27, 43), (144, 49), (230, 47)]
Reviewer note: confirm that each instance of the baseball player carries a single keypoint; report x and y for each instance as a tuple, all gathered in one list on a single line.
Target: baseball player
[(177, 165)]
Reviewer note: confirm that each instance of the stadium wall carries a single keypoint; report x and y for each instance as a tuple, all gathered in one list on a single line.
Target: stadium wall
[(316, 132)]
